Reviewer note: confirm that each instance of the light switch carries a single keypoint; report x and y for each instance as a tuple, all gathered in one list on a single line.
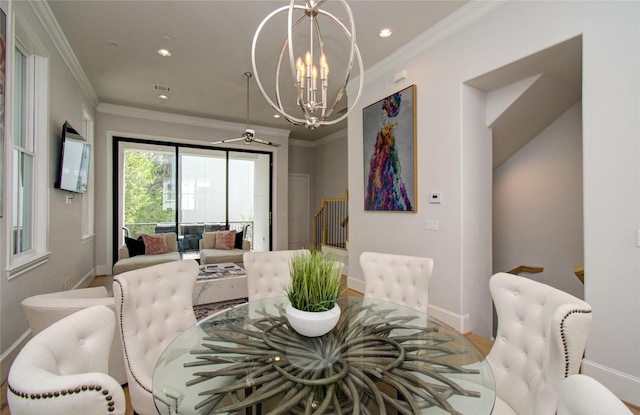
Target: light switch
[(434, 198)]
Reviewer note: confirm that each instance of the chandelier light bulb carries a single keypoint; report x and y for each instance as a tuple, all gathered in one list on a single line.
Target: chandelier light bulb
[(313, 108)]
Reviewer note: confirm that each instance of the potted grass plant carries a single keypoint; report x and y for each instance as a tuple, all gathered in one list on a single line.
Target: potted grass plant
[(313, 292)]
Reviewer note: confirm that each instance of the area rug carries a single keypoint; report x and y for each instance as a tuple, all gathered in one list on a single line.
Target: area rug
[(204, 310)]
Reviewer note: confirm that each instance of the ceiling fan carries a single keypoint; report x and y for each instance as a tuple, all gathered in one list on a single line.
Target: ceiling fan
[(249, 134)]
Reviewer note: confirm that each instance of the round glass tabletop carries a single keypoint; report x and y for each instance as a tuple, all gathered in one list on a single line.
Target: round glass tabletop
[(380, 357)]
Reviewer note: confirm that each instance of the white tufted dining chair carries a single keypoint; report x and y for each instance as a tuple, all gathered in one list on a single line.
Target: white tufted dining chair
[(63, 369), (542, 333), (268, 272), (398, 279), (583, 395), (45, 309), (153, 306)]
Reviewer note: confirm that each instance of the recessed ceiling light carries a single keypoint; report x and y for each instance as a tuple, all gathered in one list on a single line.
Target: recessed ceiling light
[(276, 116), (164, 52), (163, 97), (386, 32)]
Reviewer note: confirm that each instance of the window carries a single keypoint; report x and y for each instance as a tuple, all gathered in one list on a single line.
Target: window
[(28, 128), (23, 155), (87, 198)]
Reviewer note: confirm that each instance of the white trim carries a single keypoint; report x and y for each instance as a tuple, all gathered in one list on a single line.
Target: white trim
[(338, 135), (445, 28), (460, 322), (11, 352), (32, 262), (50, 24), (88, 199), (168, 117), (625, 385)]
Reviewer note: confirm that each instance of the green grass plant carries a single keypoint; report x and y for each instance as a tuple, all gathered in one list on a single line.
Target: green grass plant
[(315, 282)]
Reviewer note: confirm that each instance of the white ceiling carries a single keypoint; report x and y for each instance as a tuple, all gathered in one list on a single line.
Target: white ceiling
[(116, 44)]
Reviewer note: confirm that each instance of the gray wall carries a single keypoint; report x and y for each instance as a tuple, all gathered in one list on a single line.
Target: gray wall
[(69, 255)]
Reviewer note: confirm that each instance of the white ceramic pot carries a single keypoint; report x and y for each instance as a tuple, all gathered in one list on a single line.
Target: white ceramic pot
[(312, 324)]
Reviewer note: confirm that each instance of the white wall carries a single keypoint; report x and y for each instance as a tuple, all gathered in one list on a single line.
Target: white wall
[(325, 161), (468, 45), (330, 168), (70, 256), (537, 205), (135, 123)]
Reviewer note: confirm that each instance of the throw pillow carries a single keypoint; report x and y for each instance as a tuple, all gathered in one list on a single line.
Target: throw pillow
[(209, 239), (135, 246), (225, 239), (155, 244), (239, 238)]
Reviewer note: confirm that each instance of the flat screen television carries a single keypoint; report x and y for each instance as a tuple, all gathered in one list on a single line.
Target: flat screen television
[(75, 153)]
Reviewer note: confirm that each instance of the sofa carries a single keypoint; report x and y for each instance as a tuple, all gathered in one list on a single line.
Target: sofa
[(210, 253), (128, 262)]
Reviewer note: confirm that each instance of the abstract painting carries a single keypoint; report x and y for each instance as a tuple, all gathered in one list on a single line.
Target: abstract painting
[(389, 134)]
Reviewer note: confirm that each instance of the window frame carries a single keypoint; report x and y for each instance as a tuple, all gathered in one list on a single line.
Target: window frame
[(21, 36)]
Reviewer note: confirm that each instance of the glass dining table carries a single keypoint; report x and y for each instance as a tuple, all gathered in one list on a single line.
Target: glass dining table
[(380, 358)]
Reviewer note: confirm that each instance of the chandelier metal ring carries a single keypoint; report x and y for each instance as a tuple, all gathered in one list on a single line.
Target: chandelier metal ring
[(309, 105)]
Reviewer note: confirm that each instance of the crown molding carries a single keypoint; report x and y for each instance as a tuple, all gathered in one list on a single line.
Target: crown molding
[(338, 135), (51, 26), (445, 28), (151, 115)]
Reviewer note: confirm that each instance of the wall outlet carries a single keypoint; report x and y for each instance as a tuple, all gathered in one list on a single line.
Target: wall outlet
[(432, 225)]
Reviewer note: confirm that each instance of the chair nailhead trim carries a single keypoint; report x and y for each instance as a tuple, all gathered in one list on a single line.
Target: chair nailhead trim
[(564, 339), (57, 394)]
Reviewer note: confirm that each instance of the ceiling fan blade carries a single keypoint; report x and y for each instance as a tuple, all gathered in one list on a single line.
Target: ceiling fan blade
[(228, 140), (268, 143)]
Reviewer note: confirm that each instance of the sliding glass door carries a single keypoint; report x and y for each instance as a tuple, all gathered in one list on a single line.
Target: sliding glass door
[(189, 190)]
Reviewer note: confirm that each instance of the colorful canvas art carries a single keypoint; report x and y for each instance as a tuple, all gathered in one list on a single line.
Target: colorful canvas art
[(390, 153)]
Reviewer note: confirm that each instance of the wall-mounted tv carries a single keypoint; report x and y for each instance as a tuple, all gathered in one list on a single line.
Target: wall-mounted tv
[(75, 153)]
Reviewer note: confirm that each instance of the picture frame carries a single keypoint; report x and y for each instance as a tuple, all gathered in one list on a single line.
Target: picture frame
[(389, 151)]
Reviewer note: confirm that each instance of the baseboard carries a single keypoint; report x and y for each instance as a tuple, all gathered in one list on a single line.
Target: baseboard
[(9, 355), (355, 284), (460, 322), (104, 270), (623, 385)]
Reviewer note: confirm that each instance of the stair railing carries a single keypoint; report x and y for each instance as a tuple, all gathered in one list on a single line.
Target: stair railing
[(331, 223), (525, 268)]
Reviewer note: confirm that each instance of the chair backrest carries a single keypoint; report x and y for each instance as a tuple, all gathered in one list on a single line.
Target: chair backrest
[(62, 369), (398, 279), (268, 272), (45, 309), (583, 395), (153, 306), (541, 336)]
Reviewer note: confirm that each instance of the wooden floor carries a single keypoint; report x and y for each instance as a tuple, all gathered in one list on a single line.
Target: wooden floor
[(483, 345)]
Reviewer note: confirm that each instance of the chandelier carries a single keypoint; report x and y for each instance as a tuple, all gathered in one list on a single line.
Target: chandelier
[(310, 75)]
